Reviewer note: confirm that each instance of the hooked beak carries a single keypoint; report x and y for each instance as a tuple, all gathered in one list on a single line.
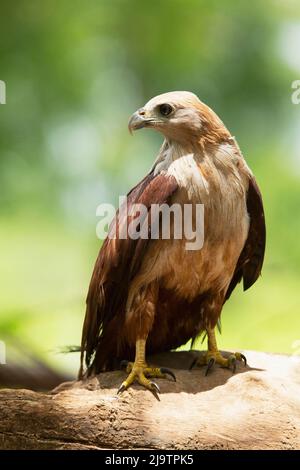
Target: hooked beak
[(138, 120)]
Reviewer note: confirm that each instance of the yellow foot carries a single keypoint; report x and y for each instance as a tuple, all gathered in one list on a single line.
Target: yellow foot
[(140, 372), (210, 358)]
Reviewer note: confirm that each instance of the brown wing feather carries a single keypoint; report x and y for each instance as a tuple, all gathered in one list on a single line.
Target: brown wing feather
[(117, 263), (251, 259)]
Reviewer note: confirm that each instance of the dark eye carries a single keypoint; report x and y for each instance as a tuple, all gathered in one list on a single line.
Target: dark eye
[(165, 109)]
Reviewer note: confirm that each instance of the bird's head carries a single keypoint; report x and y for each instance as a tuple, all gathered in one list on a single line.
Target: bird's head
[(180, 116)]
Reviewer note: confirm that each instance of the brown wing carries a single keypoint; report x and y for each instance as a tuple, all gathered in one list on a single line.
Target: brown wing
[(117, 263), (251, 259)]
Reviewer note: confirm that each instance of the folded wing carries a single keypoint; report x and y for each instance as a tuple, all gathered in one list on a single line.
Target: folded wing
[(118, 262), (251, 259)]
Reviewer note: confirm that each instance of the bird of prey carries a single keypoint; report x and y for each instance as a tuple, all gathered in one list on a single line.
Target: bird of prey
[(152, 295)]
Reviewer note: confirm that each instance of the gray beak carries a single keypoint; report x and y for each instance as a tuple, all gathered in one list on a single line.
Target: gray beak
[(137, 121)]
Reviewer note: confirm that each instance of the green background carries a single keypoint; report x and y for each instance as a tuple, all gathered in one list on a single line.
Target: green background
[(74, 72)]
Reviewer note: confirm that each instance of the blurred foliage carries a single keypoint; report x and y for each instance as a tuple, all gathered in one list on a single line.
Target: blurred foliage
[(74, 73)]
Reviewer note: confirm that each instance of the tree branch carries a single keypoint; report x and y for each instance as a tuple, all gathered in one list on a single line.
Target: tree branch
[(257, 408)]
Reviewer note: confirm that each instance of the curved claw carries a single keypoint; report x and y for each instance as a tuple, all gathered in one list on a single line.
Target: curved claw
[(123, 364), (166, 371), (193, 364), (244, 359), (232, 361), (210, 364), (121, 389), (154, 387)]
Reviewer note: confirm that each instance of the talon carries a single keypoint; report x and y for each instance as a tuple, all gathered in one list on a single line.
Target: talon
[(244, 359), (214, 356), (140, 372), (154, 387), (121, 388), (166, 371), (210, 364), (193, 364), (232, 361)]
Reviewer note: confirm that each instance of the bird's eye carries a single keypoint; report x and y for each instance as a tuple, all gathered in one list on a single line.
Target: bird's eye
[(165, 109)]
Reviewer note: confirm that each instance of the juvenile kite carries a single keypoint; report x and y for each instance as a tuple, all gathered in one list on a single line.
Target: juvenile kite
[(151, 295)]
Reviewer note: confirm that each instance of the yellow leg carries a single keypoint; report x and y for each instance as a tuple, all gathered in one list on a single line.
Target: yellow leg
[(213, 356), (139, 370)]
